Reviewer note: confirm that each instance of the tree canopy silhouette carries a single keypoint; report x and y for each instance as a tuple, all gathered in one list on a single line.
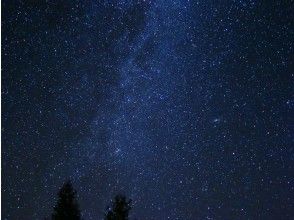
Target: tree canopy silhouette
[(67, 207), (119, 209)]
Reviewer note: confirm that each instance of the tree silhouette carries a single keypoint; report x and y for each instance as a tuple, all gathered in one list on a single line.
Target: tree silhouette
[(120, 209), (67, 207)]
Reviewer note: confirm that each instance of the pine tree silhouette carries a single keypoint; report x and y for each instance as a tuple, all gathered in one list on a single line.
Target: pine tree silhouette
[(67, 207), (120, 209)]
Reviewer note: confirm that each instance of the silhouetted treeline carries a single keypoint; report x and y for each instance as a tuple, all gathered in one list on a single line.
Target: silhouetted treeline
[(67, 207), (120, 209)]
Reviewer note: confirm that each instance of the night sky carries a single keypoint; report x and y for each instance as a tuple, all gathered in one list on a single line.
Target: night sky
[(185, 106)]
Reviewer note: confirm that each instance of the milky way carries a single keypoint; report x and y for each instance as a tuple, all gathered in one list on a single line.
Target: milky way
[(184, 106)]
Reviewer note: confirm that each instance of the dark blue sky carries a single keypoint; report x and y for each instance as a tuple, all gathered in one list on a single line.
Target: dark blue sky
[(185, 106)]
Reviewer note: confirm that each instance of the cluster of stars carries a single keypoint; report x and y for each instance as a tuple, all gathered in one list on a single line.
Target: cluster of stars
[(184, 106)]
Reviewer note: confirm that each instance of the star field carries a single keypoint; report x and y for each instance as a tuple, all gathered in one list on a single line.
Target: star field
[(185, 106)]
